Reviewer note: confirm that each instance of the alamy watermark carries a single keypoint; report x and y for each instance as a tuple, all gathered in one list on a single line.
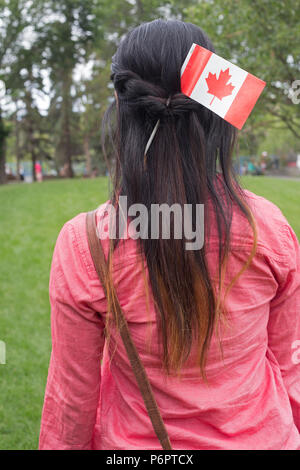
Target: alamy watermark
[(161, 221), (296, 353), (294, 92), (2, 352), (2, 89)]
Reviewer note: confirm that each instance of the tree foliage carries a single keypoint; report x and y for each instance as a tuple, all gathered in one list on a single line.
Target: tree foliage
[(262, 37), (55, 62)]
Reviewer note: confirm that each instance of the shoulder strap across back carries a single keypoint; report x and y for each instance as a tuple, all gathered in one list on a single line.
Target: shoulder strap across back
[(135, 361)]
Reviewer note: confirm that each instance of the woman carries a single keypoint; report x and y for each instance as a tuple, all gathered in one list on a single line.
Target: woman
[(216, 328)]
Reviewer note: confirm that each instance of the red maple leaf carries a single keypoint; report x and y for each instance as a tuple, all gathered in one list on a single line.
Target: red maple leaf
[(218, 86)]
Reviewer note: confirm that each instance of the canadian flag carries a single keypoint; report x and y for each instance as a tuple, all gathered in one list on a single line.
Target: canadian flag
[(221, 86)]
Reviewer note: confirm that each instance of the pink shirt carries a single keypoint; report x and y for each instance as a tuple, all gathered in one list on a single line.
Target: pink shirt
[(38, 168), (252, 399)]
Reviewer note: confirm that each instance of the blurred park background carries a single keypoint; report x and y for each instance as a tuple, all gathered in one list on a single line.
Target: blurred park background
[(54, 88)]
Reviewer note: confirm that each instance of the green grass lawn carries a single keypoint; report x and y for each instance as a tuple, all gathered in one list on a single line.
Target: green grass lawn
[(284, 193), (31, 217)]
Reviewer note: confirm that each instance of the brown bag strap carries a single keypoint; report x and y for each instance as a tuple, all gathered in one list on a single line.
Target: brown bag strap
[(137, 366)]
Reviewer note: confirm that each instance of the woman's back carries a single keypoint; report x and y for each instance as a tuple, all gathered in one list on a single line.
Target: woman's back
[(252, 387)]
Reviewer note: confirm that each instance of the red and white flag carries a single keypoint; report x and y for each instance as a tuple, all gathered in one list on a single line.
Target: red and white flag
[(221, 86)]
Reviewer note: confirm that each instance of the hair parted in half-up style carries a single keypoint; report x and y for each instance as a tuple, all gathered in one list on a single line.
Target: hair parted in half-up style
[(191, 149)]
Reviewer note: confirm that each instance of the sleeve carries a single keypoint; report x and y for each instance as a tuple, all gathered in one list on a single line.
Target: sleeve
[(74, 375), (284, 321)]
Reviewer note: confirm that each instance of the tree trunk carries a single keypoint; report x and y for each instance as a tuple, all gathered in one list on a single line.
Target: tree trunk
[(3, 135), (18, 150), (30, 133), (31, 144), (33, 159), (66, 131), (87, 153)]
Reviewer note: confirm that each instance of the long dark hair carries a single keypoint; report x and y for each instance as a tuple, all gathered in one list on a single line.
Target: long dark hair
[(191, 149)]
